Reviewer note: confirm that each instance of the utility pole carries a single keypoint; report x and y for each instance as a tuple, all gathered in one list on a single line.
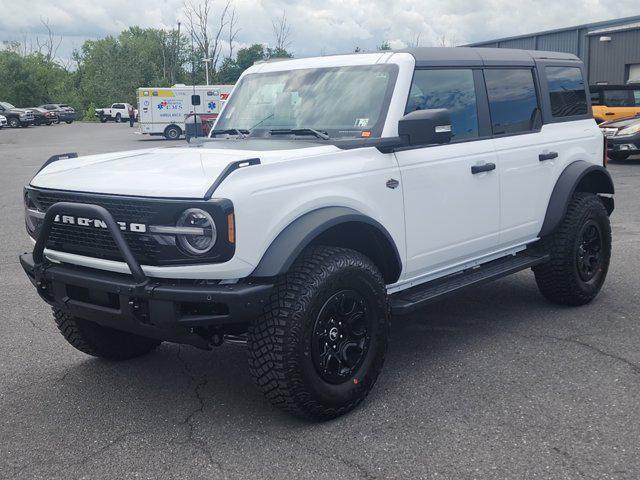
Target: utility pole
[(206, 67), (176, 52)]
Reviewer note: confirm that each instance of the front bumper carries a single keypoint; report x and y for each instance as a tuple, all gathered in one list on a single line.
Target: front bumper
[(628, 143), (183, 311)]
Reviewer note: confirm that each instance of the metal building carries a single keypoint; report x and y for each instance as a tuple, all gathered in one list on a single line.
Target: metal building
[(610, 49)]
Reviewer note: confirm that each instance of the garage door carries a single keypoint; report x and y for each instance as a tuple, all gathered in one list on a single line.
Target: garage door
[(634, 73)]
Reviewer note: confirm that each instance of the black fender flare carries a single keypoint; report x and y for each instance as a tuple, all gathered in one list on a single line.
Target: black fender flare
[(294, 238), (577, 176)]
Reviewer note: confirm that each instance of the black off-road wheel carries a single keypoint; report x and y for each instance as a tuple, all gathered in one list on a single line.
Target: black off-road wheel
[(580, 252), (319, 347), (102, 342), (14, 122), (118, 118)]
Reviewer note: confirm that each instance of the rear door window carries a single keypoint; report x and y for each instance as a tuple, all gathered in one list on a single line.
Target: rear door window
[(513, 101), (567, 91), (450, 89)]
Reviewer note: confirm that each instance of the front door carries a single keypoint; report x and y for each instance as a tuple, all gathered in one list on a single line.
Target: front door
[(452, 214)]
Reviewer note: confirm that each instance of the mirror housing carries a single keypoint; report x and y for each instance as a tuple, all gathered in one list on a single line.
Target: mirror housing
[(425, 127)]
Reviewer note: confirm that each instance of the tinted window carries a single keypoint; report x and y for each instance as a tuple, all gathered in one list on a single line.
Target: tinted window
[(595, 98), (450, 89), (118, 105), (621, 98), (566, 90), (512, 99)]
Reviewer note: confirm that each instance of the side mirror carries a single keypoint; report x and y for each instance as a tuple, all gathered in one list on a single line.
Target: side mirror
[(425, 127)]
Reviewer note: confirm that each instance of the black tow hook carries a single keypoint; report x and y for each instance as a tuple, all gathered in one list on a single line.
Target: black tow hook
[(216, 340)]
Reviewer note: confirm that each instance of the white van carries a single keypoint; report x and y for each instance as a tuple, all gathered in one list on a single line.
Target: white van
[(162, 110)]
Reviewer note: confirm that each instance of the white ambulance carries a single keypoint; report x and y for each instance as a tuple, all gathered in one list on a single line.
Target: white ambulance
[(162, 110)]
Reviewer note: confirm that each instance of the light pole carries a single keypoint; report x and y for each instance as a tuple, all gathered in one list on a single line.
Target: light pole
[(206, 67)]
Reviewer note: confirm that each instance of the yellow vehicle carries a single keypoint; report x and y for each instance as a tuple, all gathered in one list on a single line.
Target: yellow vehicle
[(614, 102)]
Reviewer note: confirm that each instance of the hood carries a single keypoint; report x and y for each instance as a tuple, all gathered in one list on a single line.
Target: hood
[(625, 122), (161, 172), (21, 110)]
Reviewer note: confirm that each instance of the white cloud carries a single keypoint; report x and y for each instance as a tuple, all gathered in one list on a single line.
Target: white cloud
[(330, 26)]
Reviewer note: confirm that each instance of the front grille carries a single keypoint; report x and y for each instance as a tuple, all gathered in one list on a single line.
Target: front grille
[(97, 242), (149, 249)]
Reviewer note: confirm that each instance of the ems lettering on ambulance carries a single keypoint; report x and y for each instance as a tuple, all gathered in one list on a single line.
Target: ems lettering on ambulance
[(170, 108)]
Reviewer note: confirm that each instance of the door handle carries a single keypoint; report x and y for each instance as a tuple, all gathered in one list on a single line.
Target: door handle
[(487, 167), (610, 113), (547, 156)]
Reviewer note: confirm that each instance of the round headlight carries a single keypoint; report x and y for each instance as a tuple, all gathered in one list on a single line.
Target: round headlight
[(203, 237)]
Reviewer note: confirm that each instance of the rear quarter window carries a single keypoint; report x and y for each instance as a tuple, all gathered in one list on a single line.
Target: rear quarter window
[(567, 91)]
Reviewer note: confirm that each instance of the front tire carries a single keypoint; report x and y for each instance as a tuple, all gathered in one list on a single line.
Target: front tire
[(14, 122), (580, 250), (102, 342), (319, 347)]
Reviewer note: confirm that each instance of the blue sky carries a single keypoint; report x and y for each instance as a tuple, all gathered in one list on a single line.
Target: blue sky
[(318, 27)]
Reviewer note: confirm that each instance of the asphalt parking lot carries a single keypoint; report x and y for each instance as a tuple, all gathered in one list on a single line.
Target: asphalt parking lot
[(495, 383)]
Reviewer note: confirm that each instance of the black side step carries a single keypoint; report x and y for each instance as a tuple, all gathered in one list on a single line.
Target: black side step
[(411, 299)]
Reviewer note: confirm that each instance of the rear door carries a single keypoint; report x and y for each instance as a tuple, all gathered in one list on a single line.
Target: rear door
[(516, 122)]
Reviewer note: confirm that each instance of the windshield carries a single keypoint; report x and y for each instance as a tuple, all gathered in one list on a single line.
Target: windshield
[(7, 105), (340, 101)]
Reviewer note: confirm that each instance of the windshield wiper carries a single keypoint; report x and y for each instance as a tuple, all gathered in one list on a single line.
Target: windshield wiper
[(240, 132), (300, 131)]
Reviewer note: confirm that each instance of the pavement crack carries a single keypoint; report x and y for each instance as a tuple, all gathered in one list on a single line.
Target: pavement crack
[(34, 324), (635, 367), (569, 459), (198, 385)]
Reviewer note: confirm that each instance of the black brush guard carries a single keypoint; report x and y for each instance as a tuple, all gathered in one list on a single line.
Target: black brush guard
[(157, 308)]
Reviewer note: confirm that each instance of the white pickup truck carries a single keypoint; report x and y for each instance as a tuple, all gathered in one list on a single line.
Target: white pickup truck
[(117, 112)]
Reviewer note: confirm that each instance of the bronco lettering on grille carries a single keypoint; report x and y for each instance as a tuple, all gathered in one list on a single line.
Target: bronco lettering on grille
[(97, 223)]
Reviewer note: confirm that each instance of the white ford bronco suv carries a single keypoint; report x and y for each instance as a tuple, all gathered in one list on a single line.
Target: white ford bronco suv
[(332, 194)]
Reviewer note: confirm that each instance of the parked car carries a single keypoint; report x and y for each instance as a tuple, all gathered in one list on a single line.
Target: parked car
[(65, 112), (16, 117), (44, 117), (118, 112), (623, 137), (331, 193), (615, 102), (3, 121)]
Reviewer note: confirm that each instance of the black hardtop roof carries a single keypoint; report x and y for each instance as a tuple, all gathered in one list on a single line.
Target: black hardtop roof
[(467, 56)]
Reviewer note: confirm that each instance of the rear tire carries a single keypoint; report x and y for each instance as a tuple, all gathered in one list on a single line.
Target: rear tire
[(102, 342), (172, 132), (580, 250), (68, 122), (319, 347), (103, 119), (118, 118)]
